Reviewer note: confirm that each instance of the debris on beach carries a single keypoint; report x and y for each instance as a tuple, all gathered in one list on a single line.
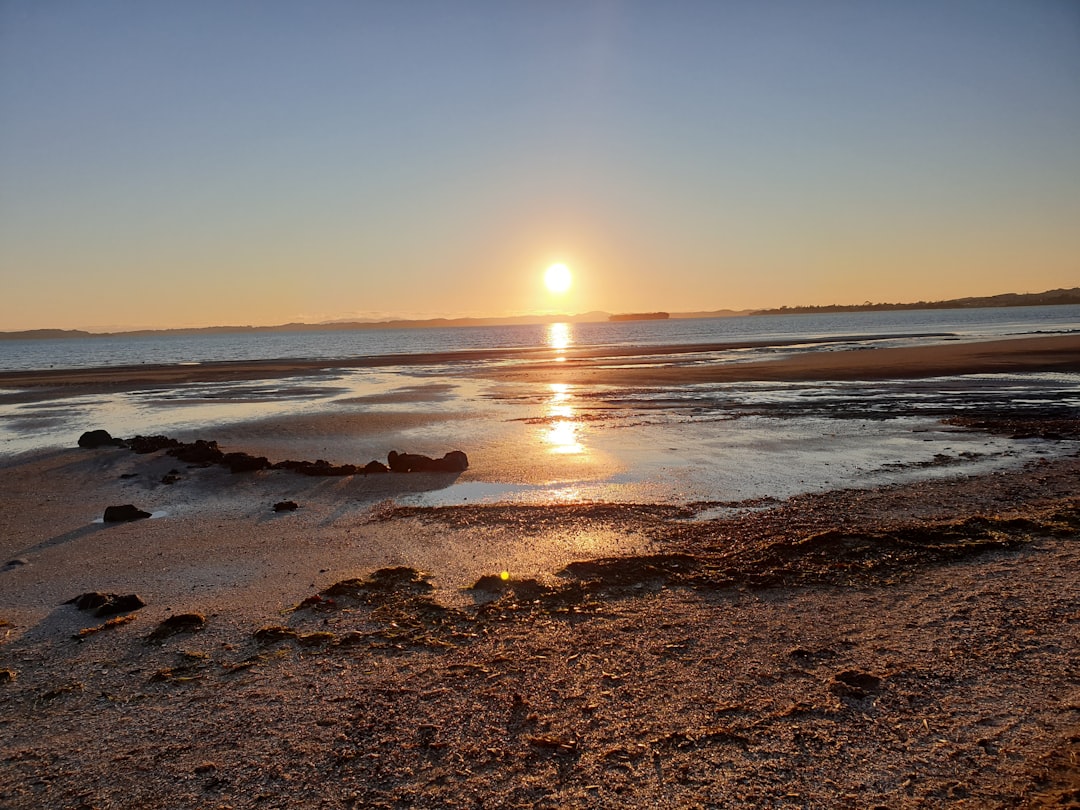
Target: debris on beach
[(286, 506), (112, 623), (120, 514), (106, 604)]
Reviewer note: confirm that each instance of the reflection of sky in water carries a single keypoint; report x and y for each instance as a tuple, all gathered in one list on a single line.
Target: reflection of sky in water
[(701, 443), (198, 407)]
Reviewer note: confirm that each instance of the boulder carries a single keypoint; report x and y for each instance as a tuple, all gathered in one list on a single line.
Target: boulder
[(286, 506), (375, 467), (99, 438), (454, 461), (118, 514)]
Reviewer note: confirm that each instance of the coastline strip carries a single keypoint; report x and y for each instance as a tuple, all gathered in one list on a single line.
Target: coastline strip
[(1056, 353)]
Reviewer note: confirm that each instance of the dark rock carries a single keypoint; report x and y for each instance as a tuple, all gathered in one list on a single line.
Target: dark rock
[(243, 462), (171, 477), (120, 604), (17, 562), (286, 506), (375, 467), (197, 452), (150, 444), (106, 604), (180, 623), (7, 676), (99, 438), (118, 514), (315, 468), (89, 600), (454, 461)]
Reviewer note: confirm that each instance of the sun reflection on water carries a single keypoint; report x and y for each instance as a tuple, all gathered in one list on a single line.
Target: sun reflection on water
[(559, 338), (562, 434)]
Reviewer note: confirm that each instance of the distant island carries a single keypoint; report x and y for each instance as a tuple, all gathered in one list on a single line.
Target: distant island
[(1049, 298), (1043, 299), (641, 316)]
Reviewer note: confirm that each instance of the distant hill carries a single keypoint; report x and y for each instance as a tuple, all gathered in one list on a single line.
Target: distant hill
[(1043, 299), (430, 323), (640, 316), (1049, 298)]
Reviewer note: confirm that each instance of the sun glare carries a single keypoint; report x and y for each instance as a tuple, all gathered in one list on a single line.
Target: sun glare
[(557, 278)]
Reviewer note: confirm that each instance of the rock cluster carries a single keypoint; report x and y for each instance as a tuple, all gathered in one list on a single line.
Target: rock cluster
[(205, 452)]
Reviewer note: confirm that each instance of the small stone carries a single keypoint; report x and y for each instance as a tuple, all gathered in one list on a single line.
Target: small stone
[(286, 506), (119, 514)]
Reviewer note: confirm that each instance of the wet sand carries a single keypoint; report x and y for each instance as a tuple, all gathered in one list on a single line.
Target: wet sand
[(607, 365)]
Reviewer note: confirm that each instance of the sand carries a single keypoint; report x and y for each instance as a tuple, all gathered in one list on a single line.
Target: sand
[(604, 365), (910, 646)]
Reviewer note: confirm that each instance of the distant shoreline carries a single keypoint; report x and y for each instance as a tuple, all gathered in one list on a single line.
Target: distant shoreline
[(1049, 298), (593, 365)]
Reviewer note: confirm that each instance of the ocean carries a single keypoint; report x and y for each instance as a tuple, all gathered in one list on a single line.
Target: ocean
[(722, 446), (763, 329)]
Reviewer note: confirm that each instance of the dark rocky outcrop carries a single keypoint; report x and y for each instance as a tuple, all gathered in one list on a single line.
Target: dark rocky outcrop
[(106, 604), (454, 461), (150, 444), (316, 468), (119, 514), (197, 452), (286, 506), (99, 438), (202, 452), (243, 462)]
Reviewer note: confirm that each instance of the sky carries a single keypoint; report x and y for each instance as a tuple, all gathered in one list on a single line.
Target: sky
[(207, 162)]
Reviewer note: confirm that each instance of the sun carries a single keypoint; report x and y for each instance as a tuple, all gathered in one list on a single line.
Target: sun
[(558, 278)]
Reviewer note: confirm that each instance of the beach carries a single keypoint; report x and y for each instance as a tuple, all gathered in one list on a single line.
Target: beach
[(903, 644)]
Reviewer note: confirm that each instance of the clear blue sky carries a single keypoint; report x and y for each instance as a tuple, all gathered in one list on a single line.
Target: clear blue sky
[(206, 162)]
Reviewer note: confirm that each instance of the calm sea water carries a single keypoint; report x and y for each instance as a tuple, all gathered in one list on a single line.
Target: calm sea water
[(169, 349)]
